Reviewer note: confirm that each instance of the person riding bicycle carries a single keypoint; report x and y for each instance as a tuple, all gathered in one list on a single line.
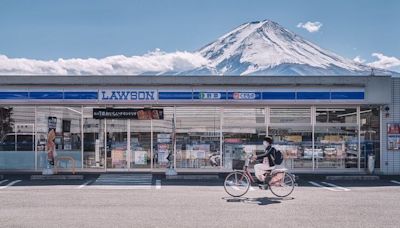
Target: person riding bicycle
[(266, 159)]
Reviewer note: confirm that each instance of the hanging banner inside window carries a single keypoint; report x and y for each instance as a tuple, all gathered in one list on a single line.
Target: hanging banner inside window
[(128, 113), (393, 136), (51, 136)]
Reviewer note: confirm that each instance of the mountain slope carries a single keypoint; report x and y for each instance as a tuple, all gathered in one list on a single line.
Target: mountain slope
[(266, 48)]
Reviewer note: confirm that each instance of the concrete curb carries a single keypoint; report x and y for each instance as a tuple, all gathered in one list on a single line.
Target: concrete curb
[(57, 177), (352, 178)]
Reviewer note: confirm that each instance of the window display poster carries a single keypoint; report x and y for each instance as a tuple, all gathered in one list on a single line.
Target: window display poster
[(202, 147), (163, 147), (394, 142), (51, 136), (67, 141), (200, 154), (140, 157), (393, 128), (162, 157), (118, 158), (163, 138), (294, 138)]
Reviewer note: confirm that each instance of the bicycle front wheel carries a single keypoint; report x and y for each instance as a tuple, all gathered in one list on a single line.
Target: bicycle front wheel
[(281, 184), (237, 184)]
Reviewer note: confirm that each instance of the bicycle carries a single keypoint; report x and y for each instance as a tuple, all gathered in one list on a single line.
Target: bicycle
[(238, 182)]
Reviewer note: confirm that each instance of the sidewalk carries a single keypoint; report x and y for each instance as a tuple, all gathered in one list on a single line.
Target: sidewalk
[(204, 174)]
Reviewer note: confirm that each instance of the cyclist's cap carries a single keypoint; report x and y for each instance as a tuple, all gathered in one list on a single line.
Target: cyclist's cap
[(268, 139)]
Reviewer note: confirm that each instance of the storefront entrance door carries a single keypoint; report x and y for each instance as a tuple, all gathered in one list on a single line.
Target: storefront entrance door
[(117, 144), (128, 144)]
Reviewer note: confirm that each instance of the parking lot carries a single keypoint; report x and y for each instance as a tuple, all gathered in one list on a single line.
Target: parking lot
[(152, 201)]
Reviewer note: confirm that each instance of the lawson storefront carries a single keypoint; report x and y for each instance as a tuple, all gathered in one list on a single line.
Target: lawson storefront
[(128, 123)]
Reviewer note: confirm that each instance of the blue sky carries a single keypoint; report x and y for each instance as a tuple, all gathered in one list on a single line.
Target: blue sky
[(52, 29)]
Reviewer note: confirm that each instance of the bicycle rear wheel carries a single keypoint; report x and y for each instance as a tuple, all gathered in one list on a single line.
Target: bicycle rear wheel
[(282, 185), (237, 184)]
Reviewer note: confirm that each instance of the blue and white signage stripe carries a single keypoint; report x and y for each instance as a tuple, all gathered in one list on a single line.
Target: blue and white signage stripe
[(313, 95), (154, 95), (347, 95), (279, 95), (127, 95), (209, 95), (46, 95), (244, 96), (11, 95), (81, 95), (175, 95)]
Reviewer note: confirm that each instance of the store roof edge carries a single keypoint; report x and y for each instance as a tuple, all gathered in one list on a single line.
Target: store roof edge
[(106, 80)]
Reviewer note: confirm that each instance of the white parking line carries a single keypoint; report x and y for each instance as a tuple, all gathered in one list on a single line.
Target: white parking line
[(10, 184), (118, 187), (84, 184), (336, 186), (3, 181), (396, 182), (158, 184), (321, 186)]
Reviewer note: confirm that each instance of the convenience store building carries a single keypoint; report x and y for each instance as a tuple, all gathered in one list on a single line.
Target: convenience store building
[(132, 123)]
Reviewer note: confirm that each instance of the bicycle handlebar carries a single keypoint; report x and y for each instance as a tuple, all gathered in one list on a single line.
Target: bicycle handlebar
[(248, 159)]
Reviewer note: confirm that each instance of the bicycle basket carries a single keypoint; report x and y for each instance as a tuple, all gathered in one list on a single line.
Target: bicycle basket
[(237, 164)]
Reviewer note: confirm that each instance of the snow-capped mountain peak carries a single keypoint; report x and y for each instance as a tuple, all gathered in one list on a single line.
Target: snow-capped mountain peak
[(265, 47)]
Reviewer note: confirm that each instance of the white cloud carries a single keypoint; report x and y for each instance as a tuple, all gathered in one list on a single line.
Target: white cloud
[(156, 61), (310, 26), (385, 62), (358, 59)]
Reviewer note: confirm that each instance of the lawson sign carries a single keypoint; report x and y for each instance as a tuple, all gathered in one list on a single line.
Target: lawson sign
[(127, 95)]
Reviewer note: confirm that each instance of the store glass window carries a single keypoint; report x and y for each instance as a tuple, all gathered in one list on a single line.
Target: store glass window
[(290, 115), (295, 142), (140, 143), (197, 137), (66, 122), (163, 139), (243, 133), (336, 115), (17, 137), (93, 140), (336, 147), (370, 135)]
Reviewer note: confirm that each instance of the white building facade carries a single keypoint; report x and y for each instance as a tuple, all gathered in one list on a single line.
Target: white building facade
[(127, 123)]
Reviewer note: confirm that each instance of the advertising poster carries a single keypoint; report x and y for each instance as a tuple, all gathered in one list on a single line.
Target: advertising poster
[(162, 157), (393, 129), (118, 158), (393, 136), (67, 137), (394, 142), (164, 138), (128, 113), (51, 136), (163, 150), (140, 157)]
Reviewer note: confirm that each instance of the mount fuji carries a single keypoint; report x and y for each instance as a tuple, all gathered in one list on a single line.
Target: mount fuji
[(266, 48)]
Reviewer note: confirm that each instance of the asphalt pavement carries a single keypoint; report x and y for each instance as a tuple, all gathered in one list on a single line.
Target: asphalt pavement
[(158, 202)]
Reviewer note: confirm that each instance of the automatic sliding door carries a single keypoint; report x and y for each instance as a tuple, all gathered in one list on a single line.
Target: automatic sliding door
[(140, 143), (117, 139)]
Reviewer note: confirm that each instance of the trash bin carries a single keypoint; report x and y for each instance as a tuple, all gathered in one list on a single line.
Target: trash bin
[(371, 163)]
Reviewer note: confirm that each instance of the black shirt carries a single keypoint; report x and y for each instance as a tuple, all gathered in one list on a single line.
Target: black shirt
[(269, 151)]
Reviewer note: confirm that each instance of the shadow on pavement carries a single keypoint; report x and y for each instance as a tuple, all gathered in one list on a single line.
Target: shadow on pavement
[(261, 201)]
